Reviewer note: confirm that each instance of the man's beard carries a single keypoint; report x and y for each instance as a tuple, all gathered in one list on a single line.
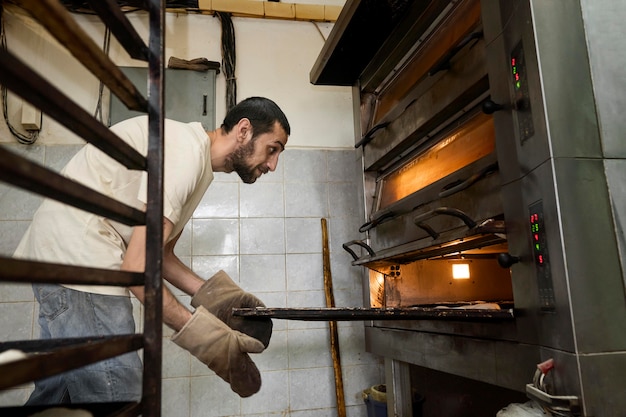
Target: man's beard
[(237, 161)]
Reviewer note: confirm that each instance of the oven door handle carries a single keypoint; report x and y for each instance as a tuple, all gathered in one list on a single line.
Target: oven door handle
[(377, 219), (444, 62), (369, 136), (456, 186), (447, 211), (347, 245)]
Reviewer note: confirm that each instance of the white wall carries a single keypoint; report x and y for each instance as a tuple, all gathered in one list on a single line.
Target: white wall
[(274, 58)]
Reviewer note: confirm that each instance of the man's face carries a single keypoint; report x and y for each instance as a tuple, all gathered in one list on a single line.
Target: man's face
[(258, 155)]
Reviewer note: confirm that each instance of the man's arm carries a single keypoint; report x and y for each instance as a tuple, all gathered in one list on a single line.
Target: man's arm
[(175, 315), (176, 272), (222, 349)]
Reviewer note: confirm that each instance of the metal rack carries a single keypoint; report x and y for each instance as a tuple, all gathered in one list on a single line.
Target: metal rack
[(60, 355)]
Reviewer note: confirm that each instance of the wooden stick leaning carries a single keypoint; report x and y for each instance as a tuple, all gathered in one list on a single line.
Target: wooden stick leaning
[(334, 334)]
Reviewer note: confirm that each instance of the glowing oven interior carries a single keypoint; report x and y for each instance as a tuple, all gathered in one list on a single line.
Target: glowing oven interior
[(463, 281), (468, 276), (474, 140)]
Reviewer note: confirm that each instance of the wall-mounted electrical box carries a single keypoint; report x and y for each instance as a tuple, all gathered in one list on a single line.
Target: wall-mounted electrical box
[(31, 117), (189, 95)]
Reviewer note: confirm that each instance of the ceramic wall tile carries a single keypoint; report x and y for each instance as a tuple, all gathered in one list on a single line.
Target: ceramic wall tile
[(263, 273), (303, 235), (262, 200), (221, 200), (305, 166), (273, 396), (305, 272), (215, 237), (212, 397), (11, 232), (262, 236), (176, 391), (306, 200), (317, 383), (16, 320)]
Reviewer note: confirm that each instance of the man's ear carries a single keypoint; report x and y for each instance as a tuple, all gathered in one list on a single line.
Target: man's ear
[(244, 130)]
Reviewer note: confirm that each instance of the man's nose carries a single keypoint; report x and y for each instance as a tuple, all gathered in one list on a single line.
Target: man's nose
[(272, 163)]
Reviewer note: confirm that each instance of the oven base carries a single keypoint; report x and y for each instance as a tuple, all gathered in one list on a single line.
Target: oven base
[(502, 363)]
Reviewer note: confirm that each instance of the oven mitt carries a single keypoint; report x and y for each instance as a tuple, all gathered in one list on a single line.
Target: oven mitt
[(219, 295), (223, 350)]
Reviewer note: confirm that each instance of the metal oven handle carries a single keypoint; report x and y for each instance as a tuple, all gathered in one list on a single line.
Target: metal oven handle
[(370, 135), (347, 245), (448, 211), (377, 219), (444, 62), (456, 186)]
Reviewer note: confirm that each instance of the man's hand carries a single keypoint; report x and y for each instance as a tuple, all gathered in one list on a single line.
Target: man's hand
[(219, 295), (223, 350)]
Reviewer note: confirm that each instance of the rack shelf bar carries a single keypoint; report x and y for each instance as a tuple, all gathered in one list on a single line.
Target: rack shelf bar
[(28, 175), (47, 364), (53, 356), (153, 293), (25, 82), (96, 409), (124, 32), (58, 21), (15, 270)]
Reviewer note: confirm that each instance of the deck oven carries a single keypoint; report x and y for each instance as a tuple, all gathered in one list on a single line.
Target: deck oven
[(494, 182)]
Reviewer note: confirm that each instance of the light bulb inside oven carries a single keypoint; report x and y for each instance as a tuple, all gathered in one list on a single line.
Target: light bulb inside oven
[(460, 271)]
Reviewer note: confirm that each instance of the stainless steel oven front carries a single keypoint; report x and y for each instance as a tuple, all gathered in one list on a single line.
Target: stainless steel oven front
[(562, 161), (492, 144), (492, 147)]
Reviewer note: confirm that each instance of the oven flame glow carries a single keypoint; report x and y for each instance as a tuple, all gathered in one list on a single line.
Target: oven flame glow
[(460, 271), (462, 147)]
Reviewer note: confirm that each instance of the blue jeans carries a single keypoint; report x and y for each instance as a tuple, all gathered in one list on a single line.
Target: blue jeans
[(67, 313)]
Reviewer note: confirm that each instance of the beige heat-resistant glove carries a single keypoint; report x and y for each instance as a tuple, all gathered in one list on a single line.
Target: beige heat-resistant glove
[(219, 295), (223, 350)]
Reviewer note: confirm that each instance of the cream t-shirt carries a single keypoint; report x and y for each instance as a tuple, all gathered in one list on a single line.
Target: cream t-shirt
[(63, 234)]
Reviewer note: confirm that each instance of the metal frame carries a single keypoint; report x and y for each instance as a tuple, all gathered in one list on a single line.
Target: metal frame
[(56, 356)]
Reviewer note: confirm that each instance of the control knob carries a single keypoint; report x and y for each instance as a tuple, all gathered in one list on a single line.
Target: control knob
[(506, 260), (489, 106)]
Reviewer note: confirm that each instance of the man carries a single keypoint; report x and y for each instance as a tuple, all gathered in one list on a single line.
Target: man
[(249, 142)]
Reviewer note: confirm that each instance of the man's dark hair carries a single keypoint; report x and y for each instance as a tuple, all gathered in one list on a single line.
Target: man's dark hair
[(262, 112)]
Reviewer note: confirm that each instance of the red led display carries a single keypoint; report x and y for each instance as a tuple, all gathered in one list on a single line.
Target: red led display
[(536, 229), (542, 261)]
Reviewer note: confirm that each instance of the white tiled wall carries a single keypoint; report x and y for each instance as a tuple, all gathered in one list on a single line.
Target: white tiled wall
[(267, 236)]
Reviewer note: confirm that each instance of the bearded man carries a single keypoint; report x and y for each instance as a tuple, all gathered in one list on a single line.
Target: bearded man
[(248, 142)]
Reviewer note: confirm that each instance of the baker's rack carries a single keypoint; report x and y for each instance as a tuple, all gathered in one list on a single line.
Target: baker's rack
[(50, 357)]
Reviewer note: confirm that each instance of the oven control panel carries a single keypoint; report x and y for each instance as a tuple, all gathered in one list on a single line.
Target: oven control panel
[(541, 258), (521, 99)]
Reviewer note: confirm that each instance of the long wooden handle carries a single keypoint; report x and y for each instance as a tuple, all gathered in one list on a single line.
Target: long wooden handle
[(334, 334)]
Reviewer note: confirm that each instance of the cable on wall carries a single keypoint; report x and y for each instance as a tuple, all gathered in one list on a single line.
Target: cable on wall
[(106, 45), (319, 31), (229, 58), (32, 135)]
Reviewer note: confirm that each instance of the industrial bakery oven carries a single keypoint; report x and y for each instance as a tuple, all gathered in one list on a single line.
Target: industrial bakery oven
[(494, 184)]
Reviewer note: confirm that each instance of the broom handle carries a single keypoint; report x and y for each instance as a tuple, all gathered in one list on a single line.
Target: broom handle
[(334, 334)]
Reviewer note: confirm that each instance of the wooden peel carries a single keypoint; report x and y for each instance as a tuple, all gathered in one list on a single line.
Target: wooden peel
[(334, 334)]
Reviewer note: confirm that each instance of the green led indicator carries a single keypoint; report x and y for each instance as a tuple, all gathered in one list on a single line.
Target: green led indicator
[(518, 84), (537, 246)]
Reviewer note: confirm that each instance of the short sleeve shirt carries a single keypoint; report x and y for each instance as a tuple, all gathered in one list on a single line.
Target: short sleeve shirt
[(63, 234)]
